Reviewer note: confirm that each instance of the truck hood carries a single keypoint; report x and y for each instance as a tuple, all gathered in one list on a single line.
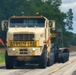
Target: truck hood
[(39, 33), (27, 30)]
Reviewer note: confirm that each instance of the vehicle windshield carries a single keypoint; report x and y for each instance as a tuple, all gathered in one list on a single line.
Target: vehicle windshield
[(29, 22)]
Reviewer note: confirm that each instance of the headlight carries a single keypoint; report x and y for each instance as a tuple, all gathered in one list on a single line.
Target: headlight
[(13, 49), (33, 49)]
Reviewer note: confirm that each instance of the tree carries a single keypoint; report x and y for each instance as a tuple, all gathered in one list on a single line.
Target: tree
[(55, 3), (69, 19)]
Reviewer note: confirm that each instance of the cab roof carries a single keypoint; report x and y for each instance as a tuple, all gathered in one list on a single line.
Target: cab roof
[(27, 17)]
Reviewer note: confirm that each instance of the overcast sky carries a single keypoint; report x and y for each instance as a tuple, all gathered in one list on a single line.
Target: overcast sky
[(67, 4)]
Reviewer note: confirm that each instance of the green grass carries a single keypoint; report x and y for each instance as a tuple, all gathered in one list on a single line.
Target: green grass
[(2, 56)]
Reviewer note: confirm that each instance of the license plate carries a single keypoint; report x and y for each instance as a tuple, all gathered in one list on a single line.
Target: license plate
[(23, 44)]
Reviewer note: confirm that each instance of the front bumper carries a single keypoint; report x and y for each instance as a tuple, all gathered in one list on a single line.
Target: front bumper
[(24, 51)]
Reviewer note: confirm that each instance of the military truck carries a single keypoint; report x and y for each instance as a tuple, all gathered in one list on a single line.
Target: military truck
[(28, 40)]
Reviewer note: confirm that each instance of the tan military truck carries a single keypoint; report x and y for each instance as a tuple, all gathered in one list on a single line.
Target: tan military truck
[(28, 40)]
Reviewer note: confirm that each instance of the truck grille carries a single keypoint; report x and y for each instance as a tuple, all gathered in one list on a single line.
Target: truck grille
[(23, 37), (23, 51)]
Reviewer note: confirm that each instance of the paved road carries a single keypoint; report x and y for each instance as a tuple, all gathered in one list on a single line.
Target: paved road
[(68, 68)]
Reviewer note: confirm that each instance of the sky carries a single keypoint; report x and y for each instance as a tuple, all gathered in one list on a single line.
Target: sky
[(65, 6)]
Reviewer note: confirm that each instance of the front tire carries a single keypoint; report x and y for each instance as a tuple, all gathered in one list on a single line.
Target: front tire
[(43, 59), (9, 61), (20, 63), (50, 59)]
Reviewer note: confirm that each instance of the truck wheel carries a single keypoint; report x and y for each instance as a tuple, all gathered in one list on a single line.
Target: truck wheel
[(50, 59), (9, 61), (20, 63), (59, 58), (65, 55), (68, 57), (56, 56), (63, 58), (43, 59)]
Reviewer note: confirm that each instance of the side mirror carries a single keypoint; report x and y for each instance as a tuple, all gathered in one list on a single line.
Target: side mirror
[(5, 25), (52, 24)]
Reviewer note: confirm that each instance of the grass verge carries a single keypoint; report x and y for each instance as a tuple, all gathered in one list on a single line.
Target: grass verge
[(2, 57)]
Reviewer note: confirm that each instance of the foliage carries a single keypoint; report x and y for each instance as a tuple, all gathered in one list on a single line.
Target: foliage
[(69, 19), (2, 58), (74, 40), (68, 38)]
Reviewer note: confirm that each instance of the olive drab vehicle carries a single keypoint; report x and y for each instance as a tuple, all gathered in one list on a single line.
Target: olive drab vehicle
[(28, 40)]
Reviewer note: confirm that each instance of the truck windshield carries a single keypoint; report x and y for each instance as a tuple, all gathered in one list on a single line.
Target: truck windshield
[(30, 22)]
